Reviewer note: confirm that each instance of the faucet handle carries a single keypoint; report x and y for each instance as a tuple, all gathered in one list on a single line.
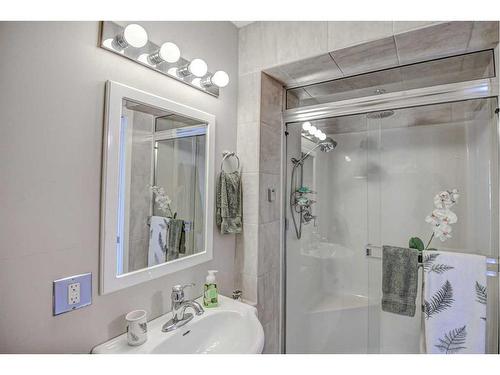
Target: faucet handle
[(179, 288), (178, 292)]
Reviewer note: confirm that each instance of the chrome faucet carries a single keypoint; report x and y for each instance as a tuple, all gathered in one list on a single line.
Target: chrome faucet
[(179, 306)]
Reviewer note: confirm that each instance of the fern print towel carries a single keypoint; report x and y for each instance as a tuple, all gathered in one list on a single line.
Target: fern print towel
[(158, 232), (454, 302)]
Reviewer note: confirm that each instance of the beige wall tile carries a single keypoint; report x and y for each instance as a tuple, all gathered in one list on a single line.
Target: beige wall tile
[(267, 296), (250, 185), (246, 257), (270, 149), (271, 102), (257, 48), (432, 42), (249, 287), (315, 69), (296, 40), (248, 146), (404, 26), (269, 211), (249, 48), (249, 91), (280, 75), (269, 246), (484, 35), (368, 56), (342, 34)]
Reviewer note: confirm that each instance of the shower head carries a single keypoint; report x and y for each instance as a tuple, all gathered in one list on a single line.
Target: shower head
[(380, 115), (327, 145)]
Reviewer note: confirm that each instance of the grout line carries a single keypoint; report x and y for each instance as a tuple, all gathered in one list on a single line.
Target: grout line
[(397, 49), (338, 66)]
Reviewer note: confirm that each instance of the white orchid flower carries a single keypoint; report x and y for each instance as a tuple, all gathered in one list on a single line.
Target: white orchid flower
[(441, 215), (443, 232), (446, 199), (162, 199)]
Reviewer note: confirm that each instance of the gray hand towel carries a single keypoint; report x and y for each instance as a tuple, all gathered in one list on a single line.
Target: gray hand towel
[(229, 203), (176, 239), (399, 280)]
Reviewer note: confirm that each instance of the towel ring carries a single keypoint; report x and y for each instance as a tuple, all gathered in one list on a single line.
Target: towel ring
[(226, 155)]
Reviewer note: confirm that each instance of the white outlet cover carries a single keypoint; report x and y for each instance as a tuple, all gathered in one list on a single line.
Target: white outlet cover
[(72, 293)]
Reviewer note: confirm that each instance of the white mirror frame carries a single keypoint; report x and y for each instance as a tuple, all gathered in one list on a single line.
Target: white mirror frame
[(109, 280)]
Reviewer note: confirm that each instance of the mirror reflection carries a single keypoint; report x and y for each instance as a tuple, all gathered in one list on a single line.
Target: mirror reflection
[(162, 187)]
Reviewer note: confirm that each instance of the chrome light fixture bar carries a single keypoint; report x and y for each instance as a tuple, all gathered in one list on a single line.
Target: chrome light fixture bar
[(131, 41)]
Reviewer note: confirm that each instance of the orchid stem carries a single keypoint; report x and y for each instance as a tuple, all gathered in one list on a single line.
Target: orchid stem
[(430, 240)]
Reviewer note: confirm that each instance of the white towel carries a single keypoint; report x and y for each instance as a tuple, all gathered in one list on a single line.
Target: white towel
[(454, 302), (158, 239)]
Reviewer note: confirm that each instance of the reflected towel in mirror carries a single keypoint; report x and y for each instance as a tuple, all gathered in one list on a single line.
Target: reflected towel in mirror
[(176, 239), (158, 232)]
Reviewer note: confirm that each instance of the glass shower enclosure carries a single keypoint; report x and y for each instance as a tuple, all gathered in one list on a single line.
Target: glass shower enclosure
[(392, 154)]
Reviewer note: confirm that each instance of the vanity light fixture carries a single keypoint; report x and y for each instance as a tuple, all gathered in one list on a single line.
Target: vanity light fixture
[(197, 68), (220, 79), (168, 52), (131, 41), (133, 35), (322, 136)]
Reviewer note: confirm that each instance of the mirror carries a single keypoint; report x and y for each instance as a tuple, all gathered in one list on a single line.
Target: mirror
[(158, 187)]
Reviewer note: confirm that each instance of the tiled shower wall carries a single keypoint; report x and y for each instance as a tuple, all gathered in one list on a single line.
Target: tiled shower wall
[(263, 45)]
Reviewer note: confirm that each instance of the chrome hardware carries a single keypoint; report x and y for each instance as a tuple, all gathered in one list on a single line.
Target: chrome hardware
[(492, 264), (179, 306), (226, 155), (237, 295)]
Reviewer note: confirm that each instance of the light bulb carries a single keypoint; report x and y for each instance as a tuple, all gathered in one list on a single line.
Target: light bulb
[(220, 78), (306, 126), (172, 71), (135, 35), (322, 136), (196, 81), (198, 67), (312, 130), (170, 52), (144, 58), (108, 43)]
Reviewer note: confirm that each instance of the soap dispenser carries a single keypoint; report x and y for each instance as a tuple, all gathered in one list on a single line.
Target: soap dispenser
[(210, 295)]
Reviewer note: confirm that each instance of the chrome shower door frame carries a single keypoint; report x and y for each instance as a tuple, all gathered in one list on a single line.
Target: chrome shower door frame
[(468, 90), (451, 92)]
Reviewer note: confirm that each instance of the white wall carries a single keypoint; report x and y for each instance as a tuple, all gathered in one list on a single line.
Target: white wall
[(52, 78)]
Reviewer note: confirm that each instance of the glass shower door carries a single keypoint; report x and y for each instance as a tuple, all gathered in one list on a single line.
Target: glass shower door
[(327, 274), (376, 188)]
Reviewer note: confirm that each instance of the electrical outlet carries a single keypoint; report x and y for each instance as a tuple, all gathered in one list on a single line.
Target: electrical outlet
[(73, 293)]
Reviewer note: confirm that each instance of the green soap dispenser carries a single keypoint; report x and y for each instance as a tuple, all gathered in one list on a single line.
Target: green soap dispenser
[(210, 295)]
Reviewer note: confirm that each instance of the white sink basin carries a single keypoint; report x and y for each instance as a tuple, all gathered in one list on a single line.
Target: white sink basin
[(232, 327)]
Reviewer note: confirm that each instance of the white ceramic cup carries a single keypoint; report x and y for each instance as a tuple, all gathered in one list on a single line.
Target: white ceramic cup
[(137, 327)]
